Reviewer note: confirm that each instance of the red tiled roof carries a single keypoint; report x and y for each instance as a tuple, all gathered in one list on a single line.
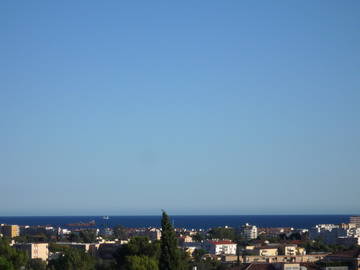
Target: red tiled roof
[(296, 242)]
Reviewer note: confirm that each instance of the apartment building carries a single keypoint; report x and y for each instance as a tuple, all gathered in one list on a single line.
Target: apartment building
[(220, 247), (35, 250), (355, 220), (309, 258), (249, 231), (10, 231), (294, 250)]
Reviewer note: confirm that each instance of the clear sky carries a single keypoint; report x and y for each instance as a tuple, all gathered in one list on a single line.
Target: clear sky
[(197, 107)]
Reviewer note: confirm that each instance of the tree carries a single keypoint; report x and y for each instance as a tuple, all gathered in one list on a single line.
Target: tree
[(222, 233), (208, 264), (139, 249), (198, 254), (120, 232), (84, 236), (73, 259), (37, 264), (141, 245), (5, 264), (105, 265), (141, 263), (75, 237), (11, 257), (170, 256), (199, 237), (88, 236)]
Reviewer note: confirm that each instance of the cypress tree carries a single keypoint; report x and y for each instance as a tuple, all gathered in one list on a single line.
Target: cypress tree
[(170, 255)]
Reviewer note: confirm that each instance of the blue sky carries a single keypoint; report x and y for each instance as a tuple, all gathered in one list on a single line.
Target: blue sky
[(197, 107)]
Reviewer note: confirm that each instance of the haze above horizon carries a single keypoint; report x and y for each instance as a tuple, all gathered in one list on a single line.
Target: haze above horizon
[(205, 107)]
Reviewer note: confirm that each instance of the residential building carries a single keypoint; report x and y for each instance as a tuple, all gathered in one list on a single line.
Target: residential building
[(35, 250), (152, 233), (185, 239), (291, 266), (263, 251), (294, 250), (220, 247), (355, 220), (10, 231), (249, 231), (348, 225), (309, 258), (62, 232), (255, 266)]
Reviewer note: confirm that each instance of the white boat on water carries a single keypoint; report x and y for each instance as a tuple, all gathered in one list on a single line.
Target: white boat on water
[(105, 217)]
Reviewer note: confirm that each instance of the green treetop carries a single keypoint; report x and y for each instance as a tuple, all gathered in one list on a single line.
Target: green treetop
[(170, 256)]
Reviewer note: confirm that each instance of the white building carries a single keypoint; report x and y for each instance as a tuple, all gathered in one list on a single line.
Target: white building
[(334, 234), (62, 232), (354, 232), (249, 231), (225, 247)]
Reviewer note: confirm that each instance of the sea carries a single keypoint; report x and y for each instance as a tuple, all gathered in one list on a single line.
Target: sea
[(183, 221)]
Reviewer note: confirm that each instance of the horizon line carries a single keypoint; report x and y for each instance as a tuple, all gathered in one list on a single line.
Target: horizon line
[(159, 215)]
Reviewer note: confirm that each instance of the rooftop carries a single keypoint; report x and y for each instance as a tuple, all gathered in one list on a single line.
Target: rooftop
[(223, 242), (355, 253)]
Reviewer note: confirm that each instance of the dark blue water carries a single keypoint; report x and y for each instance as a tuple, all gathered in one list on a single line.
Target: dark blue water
[(196, 222)]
